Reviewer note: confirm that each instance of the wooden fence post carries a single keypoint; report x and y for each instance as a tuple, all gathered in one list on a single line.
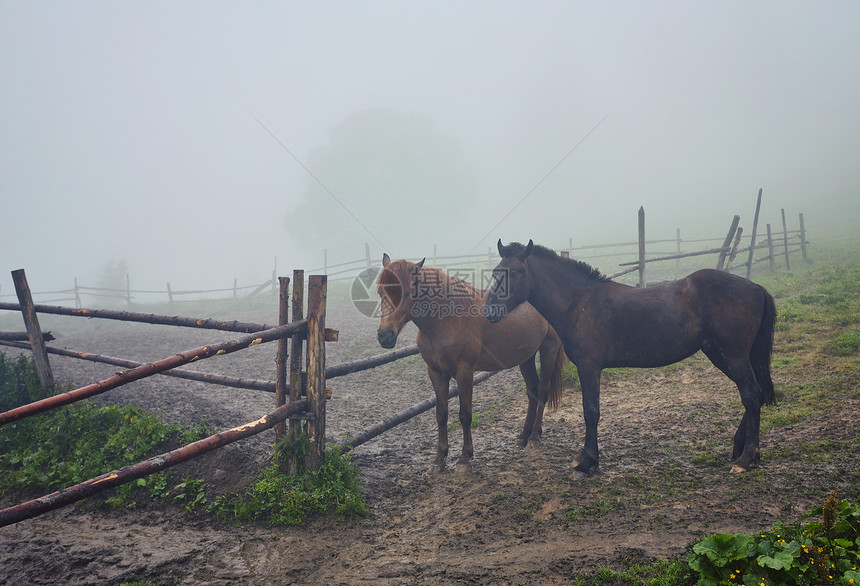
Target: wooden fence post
[(316, 391), (678, 247), (727, 242), (128, 291), (802, 238), (296, 386), (752, 240), (367, 254), (37, 342), (281, 363), (734, 251), (169, 296), (770, 249), (77, 295), (642, 247), (785, 240)]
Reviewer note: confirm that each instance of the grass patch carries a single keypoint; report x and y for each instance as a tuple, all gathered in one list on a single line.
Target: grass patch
[(282, 499), (844, 343), (71, 444)]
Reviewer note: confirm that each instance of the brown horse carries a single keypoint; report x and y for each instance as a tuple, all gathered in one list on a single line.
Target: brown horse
[(455, 340), (604, 324)]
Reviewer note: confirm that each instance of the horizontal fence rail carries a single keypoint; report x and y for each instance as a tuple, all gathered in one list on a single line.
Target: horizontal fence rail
[(127, 376)]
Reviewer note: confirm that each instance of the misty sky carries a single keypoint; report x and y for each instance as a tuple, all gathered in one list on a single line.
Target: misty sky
[(130, 130)]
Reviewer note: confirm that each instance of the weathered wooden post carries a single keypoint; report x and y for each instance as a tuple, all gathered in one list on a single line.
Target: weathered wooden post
[(296, 386), (77, 295), (678, 247), (802, 238), (169, 296), (37, 342), (281, 364), (785, 240), (770, 249), (128, 291), (316, 391), (642, 247), (752, 240), (727, 242), (734, 251), (367, 254)]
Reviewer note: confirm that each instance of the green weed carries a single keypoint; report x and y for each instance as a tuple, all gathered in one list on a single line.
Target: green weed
[(819, 552), (281, 499)]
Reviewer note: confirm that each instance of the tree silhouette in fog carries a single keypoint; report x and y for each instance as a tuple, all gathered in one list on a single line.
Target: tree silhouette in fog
[(406, 182)]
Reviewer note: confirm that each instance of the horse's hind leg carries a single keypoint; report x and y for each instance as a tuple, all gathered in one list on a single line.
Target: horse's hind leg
[(465, 380), (745, 452), (440, 382), (745, 449), (532, 428)]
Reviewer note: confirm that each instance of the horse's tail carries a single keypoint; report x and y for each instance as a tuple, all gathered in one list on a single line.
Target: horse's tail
[(763, 348), (556, 378)]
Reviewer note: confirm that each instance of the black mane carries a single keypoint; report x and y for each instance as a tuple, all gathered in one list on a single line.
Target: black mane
[(581, 268)]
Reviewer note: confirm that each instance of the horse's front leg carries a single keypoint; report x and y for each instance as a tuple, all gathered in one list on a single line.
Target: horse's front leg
[(440, 382), (531, 433), (464, 385), (588, 460)]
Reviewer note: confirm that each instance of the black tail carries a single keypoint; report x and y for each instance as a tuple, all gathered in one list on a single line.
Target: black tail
[(763, 348)]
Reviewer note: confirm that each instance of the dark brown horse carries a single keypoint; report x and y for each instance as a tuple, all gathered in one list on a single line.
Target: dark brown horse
[(455, 340), (605, 324)]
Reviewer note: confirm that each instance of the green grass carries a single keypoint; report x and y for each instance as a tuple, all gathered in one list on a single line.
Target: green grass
[(74, 443), (71, 444), (282, 499)]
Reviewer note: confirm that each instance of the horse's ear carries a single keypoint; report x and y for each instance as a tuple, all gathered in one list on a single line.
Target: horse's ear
[(386, 260), (501, 248), (529, 248), (419, 265)]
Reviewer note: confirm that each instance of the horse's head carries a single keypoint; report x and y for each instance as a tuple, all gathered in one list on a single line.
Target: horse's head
[(511, 281), (396, 291)]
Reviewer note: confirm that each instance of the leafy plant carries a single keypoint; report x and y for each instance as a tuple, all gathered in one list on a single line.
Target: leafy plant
[(190, 494), (282, 499), (820, 552)]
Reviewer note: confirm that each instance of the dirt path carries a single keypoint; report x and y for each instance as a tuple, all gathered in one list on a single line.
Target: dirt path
[(515, 518)]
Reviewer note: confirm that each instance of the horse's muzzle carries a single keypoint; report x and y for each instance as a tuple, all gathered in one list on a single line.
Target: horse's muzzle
[(494, 313), (386, 338)]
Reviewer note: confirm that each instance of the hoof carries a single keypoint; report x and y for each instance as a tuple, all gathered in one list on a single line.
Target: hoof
[(436, 468), (737, 469), (534, 444), (578, 475), (462, 467), (522, 442)]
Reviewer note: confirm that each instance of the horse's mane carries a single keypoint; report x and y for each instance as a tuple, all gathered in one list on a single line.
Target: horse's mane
[(435, 284), (578, 267)]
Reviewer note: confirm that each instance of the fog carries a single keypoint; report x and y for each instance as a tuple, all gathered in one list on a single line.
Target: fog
[(185, 137)]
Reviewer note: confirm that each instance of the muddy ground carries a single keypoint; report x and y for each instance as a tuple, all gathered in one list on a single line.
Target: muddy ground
[(516, 517)]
